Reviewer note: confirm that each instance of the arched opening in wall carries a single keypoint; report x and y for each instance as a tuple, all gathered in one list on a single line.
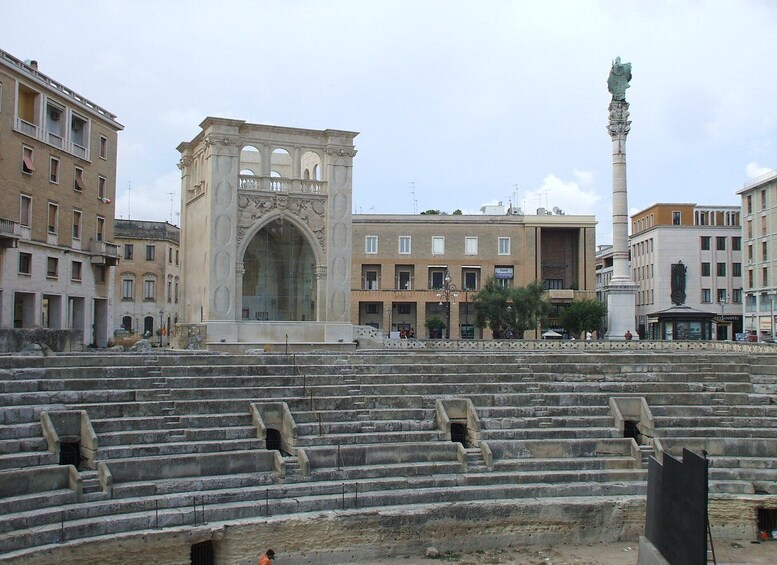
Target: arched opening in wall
[(273, 439), (278, 282), (250, 161), (148, 326), (631, 430), (202, 553), (311, 163), (280, 163), (459, 433), (70, 453), (126, 323)]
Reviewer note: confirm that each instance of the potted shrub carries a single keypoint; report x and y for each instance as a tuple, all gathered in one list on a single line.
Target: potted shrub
[(435, 326)]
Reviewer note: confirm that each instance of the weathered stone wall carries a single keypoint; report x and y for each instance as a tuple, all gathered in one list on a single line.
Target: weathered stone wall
[(13, 340)]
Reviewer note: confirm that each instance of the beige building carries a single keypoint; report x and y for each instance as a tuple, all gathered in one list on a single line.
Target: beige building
[(148, 278), (707, 242), (58, 178), (759, 210), (403, 265)]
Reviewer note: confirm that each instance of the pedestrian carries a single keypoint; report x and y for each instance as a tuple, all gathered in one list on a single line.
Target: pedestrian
[(267, 558), (628, 335), (588, 336), (410, 333)]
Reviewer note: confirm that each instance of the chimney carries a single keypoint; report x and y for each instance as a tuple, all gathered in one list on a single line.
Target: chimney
[(34, 64)]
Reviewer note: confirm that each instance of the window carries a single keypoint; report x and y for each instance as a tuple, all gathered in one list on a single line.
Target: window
[(736, 243), (75, 270), (765, 276), (371, 244), (176, 292), (404, 245), (438, 245), (470, 279), (504, 246), (169, 291), (372, 308), (764, 251), (720, 243), (371, 279), (176, 256), (749, 229), (127, 289), (736, 269), (470, 246), (750, 278), (101, 188), (403, 308), (129, 251), (149, 289), (705, 269), (27, 160), (749, 203), (25, 263), (763, 200), (100, 228), (76, 224), (706, 295), (78, 182), (553, 284), (150, 252), (52, 267), (54, 170), (736, 296), (404, 279), (170, 255), (103, 147), (705, 243), (53, 217), (99, 274), (676, 218), (25, 211), (750, 253), (721, 269), (722, 298), (436, 278)]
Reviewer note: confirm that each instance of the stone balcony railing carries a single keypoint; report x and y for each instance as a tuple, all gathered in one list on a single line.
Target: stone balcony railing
[(10, 232), (279, 184), (50, 138), (104, 253)]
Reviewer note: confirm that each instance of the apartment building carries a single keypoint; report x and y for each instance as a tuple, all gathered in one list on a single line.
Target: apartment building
[(57, 186), (407, 269), (149, 277), (707, 242), (759, 210)]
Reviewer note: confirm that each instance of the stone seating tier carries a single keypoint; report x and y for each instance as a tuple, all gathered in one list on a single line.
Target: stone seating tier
[(180, 419)]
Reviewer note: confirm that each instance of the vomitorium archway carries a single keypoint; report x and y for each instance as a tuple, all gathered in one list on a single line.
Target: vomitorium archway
[(266, 235)]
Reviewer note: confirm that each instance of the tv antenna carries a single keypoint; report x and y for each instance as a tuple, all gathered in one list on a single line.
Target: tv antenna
[(415, 202), (129, 199), (171, 205)]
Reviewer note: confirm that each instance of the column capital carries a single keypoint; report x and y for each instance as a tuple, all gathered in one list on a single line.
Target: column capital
[(619, 124)]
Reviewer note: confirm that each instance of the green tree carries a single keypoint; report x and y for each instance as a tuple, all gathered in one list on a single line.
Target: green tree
[(431, 213), (458, 212), (509, 312), (583, 316)]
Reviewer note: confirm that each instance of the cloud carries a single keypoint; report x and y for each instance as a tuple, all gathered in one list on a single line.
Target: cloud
[(569, 196), (754, 170)]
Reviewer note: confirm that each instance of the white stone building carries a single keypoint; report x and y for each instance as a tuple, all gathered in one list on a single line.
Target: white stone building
[(759, 210), (707, 240)]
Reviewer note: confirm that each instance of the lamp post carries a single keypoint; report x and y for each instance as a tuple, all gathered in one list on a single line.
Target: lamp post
[(161, 321), (447, 292), (722, 299)]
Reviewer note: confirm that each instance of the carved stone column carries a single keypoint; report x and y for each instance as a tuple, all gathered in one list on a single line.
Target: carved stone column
[(622, 291)]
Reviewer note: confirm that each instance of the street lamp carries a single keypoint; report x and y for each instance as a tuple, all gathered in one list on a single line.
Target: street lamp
[(161, 314), (447, 292), (722, 299)]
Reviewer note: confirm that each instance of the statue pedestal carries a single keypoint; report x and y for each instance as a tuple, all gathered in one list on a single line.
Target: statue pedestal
[(621, 308)]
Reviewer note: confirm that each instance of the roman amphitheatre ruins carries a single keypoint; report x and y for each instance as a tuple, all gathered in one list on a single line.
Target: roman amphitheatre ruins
[(347, 456)]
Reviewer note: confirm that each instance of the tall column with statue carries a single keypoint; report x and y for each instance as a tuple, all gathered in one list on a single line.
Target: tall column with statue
[(622, 291)]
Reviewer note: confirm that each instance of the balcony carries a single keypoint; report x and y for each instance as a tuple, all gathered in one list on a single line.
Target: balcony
[(104, 253), (279, 184), (49, 138), (10, 233)]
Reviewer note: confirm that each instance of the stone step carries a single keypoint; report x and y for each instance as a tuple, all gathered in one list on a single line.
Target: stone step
[(175, 448)]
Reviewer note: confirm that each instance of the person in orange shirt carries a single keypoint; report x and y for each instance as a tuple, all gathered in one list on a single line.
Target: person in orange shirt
[(267, 558)]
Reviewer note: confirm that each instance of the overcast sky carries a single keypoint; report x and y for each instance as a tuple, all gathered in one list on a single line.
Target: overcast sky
[(470, 102)]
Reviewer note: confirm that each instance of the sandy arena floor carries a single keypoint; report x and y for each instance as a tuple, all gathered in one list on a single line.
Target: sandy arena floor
[(726, 552)]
